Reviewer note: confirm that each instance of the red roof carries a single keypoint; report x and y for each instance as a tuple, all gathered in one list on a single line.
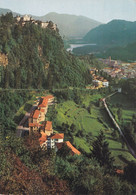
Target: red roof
[(48, 126), (44, 103), (33, 125), (58, 136), (43, 138), (119, 171), (36, 114), (74, 150)]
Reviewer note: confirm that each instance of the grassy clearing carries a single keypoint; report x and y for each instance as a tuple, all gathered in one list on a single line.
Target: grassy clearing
[(91, 98), (128, 106), (23, 109), (69, 112), (121, 155), (81, 144)]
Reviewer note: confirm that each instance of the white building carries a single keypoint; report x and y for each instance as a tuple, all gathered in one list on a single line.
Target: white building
[(105, 83), (44, 24), (50, 142)]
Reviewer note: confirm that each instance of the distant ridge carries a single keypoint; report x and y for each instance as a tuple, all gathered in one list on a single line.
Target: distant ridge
[(70, 26), (114, 33), (4, 11)]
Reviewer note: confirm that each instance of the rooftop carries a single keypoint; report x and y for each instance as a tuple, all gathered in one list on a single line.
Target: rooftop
[(48, 126), (33, 125), (58, 136), (49, 97), (44, 103), (43, 138), (36, 114), (74, 150)]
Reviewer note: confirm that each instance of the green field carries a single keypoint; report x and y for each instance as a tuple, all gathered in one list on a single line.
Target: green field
[(71, 113), (128, 106)]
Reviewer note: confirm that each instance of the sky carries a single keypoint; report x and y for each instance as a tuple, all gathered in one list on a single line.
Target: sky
[(100, 10)]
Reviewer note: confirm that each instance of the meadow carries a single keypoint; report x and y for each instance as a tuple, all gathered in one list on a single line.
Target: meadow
[(90, 124)]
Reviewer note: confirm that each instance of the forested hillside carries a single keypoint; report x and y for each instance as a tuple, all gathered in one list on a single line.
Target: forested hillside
[(126, 53), (114, 33), (37, 58)]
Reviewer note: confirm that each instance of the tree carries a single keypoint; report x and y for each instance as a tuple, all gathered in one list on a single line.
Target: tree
[(89, 107), (129, 172), (119, 113), (101, 152), (64, 151)]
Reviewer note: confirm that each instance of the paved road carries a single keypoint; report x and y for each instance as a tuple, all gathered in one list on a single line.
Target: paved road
[(117, 126)]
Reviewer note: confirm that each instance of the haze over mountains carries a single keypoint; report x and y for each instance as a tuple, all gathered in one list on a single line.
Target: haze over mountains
[(70, 26)]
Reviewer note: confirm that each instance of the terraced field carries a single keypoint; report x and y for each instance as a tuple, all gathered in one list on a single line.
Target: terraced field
[(70, 113)]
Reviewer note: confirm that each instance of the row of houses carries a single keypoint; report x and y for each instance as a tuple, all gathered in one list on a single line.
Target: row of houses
[(120, 72), (119, 69), (37, 123), (27, 19)]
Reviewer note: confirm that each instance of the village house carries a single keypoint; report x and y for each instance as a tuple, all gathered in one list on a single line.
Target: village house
[(33, 127), (42, 140), (34, 116), (33, 121), (105, 83), (53, 140), (50, 141), (73, 150), (56, 142), (48, 128), (43, 105), (97, 83)]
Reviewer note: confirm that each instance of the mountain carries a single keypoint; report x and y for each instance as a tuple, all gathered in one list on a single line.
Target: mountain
[(5, 11), (70, 26), (37, 58), (115, 33)]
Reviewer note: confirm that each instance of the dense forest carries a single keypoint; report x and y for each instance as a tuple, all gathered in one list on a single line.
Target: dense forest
[(126, 53), (37, 58)]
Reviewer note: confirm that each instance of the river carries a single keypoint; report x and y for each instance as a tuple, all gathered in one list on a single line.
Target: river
[(72, 46)]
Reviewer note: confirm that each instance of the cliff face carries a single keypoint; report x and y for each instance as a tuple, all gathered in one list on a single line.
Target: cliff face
[(37, 57), (3, 59)]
